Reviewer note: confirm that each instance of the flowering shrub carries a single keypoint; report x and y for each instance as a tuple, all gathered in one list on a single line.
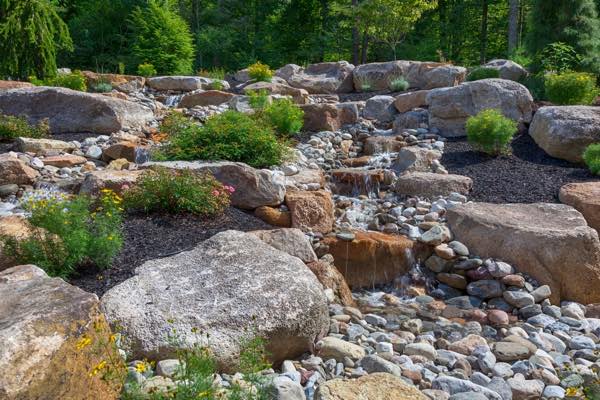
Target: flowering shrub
[(178, 191), (591, 156), (75, 230), (260, 72), (146, 70), (571, 88), (490, 131), (13, 127)]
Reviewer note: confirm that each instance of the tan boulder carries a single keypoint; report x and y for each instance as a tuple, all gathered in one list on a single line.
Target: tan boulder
[(550, 242), (585, 198), (376, 386), (407, 101), (274, 216), (13, 170), (115, 80), (311, 210), (289, 240), (325, 77), (64, 160), (331, 278), (205, 98), (42, 146), (328, 117), (118, 181), (383, 144), (6, 85), (429, 184), (128, 150), (374, 258), (12, 227), (51, 339), (306, 177)]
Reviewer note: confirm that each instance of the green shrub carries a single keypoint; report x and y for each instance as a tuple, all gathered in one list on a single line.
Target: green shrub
[(571, 88), (285, 116), (217, 85), (12, 127), (535, 83), (479, 73), (229, 136), (490, 131), (75, 231), (213, 73), (398, 84), (591, 156), (146, 70), (558, 57), (74, 81), (102, 87), (258, 99), (174, 192), (260, 72)]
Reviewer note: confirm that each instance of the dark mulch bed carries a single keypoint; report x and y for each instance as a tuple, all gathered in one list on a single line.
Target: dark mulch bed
[(155, 236), (528, 175)]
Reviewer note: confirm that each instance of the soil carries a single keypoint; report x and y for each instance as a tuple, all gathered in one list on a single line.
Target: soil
[(155, 236), (527, 175)]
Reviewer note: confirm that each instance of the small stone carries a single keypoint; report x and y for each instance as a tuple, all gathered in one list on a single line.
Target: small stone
[(459, 248), (167, 368), (420, 349), (541, 293), (485, 289), (518, 299), (498, 317)]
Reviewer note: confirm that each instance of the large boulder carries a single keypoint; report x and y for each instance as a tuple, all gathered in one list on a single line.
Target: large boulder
[(181, 83), (230, 286), (13, 170), (373, 258), (565, 131), (311, 210), (407, 101), (429, 184), (289, 240), (420, 75), (117, 181), (380, 108), (449, 108), (51, 335), (71, 111), (115, 80), (550, 242), (253, 187), (6, 85), (376, 386), (205, 98), (329, 117), (508, 69), (43, 146), (585, 198), (327, 77), (300, 96)]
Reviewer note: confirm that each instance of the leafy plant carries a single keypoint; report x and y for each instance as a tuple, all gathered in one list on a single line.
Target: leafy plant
[(571, 88), (285, 116), (12, 127), (258, 99), (490, 131), (479, 73), (536, 84), (178, 191), (398, 84), (74, 81), (216, 85), (260, 72), (591, 156), (229, 136), (559, 57), (102, 87), (146, 70), (521, 57), (75, 231)]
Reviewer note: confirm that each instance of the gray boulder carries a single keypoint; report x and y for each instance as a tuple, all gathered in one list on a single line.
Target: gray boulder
[(181, 83), (564, 132), (289, 240), (380, 108), (71, 111), (228, 288), (508, 69), (449, 108), (253, 187), (327, 77)]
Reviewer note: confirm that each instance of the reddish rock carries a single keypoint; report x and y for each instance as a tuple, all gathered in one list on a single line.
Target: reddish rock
[(6, 85), (65, 160), (497, 317), (383, 144), (356, 162), (585, 198), (328, 117), (274, 216), (13, 170), (205, 98), (514, 280), (311, 210), (126, 150), (407, 101), (331, 278)]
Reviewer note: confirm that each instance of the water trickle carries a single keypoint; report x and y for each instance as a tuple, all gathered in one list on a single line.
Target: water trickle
[(173, 101)]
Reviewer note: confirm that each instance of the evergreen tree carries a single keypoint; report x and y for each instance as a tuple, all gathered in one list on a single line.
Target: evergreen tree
[(31, 33), (161, 37), (574, 22)]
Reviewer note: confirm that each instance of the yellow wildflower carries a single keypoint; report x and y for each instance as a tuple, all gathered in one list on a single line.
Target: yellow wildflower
[(101, 365), (83, 342), (141, 367)]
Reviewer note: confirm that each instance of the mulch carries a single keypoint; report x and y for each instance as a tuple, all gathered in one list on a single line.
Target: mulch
[(155, 236), (527, 175)]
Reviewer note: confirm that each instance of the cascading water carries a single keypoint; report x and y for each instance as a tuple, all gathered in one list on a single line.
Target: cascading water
[(173, 101)]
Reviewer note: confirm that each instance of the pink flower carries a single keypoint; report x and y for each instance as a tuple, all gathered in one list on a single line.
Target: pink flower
[(230, 189), (215, 192)]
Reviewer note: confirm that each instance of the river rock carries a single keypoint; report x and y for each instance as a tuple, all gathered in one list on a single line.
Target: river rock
[(205, 98), (326, 77), (15, 171), (585, 198), (332, 347), (253, 187), (44, 321), (508, 69), (429, 184), (71, 111), (550, 242), (452, 385), (449, 108), (379, 385), (311, 210), (565, 131), (231, 284)]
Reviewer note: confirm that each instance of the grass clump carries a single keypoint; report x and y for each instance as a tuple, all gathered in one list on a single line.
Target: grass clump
[(178, 191), (12, 127), (571, 88), (365, 84), (490, 131), (213, 73), (74, 81), (260, 72), (231, 136), (479, 73), (146, 70), (75, 231), (398, 84), (102, 87), (591, 156)]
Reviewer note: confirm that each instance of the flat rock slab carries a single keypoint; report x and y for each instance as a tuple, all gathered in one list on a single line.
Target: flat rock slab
[(550, 242), (327, 77), (42, 321), (565, 131), (205, 98), (230, 287), (429, 184), (379, 385), (71, 111), (181, 83), (585, 198)]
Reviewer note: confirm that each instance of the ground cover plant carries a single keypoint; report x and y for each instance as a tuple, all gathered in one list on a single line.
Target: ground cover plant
[(591, 156), (571, 88), (12, 127), (283, 115), (73, 81), (490, 131), (73, 231), (178, 191)]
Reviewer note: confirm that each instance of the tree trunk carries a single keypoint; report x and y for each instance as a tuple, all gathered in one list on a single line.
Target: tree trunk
[(484, 29), (355, 36), (513, 25)]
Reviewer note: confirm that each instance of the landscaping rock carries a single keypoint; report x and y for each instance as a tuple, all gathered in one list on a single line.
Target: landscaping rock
[(65, 160), (311, 210), (117, 181), (274, 216), (380, 108), (585, 198), (565, 131), (292, 241), (15, 171), (415, 159), (70, 111), (181, 83), (45, 325), (300, 96), (328, 117), (205, 98), (331, 278), (381, 386), (508, 69), (449, 108), (332, 347), (327, 77), (428, 184), (12, 227), (550, 242), (229, 285), (42, 146), (407, 101)]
